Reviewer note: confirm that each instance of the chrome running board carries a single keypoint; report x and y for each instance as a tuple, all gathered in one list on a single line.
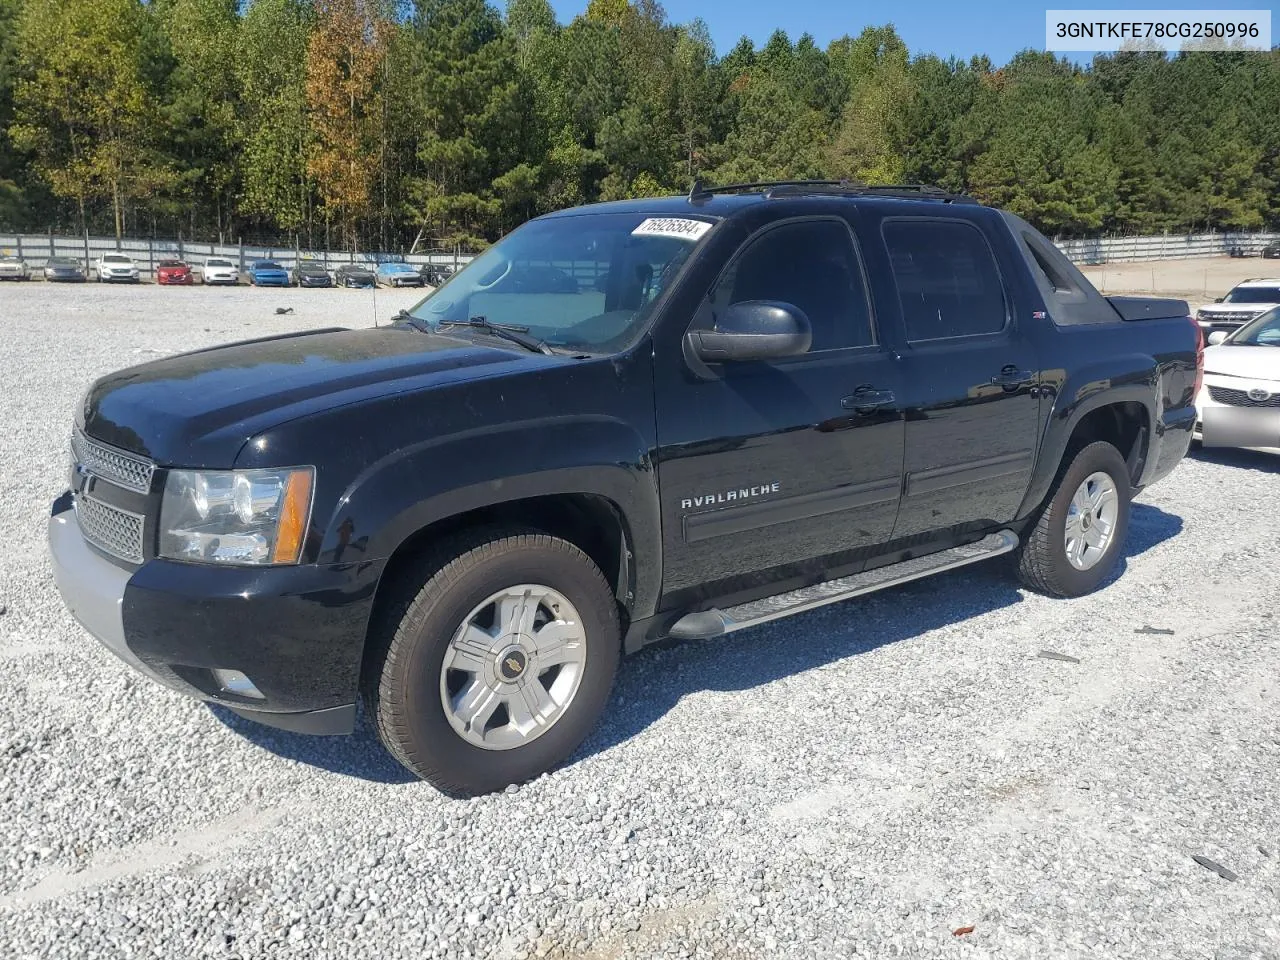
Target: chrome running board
[(714, 623)]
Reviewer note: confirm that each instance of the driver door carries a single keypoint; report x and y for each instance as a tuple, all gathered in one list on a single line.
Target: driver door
[(772, 469)]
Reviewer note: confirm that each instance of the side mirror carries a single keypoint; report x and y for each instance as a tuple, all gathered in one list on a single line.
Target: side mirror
[(1217, 299), (1217, 337), (754, 330)]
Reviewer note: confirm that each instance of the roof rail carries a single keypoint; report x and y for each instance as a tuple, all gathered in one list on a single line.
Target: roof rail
[(778, 188)]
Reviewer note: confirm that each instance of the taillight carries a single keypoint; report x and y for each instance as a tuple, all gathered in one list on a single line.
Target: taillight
[(1199, 359)]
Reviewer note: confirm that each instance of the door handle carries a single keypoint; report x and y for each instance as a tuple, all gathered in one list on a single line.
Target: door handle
[(867, 398), (1011, 376)]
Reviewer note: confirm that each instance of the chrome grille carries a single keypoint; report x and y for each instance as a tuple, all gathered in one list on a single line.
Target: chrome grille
[(1241, 398), (116, 531), (133, 473)]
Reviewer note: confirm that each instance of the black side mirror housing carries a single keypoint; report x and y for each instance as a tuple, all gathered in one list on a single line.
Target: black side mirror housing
[(754, 330), (1217, 299)]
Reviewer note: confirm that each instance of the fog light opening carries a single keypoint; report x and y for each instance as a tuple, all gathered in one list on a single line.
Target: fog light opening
[(237, 684)]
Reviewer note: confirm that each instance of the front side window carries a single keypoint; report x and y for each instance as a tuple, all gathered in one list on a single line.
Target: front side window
[(811, 265), (947, 279), (580, 282)]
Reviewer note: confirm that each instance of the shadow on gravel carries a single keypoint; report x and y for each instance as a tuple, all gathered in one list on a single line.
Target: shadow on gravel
[(652, 682), (1238, 458), (359, 755)]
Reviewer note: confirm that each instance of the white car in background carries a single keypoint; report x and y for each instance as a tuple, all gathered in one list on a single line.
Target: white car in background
[(1239, 403), (111, 267), (1247, 299), (220, 270), (14, 268)]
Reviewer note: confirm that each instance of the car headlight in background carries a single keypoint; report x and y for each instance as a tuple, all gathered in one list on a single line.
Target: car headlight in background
[(236, 516)]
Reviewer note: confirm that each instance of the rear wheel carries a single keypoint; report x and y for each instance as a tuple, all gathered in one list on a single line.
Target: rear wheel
[(495, 663), (1076, 541)]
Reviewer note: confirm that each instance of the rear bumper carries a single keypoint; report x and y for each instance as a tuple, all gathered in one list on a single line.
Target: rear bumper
[(297, 633)]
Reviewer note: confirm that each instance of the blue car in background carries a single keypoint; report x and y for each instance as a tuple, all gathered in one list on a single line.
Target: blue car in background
[(398, 274), (268, 273)]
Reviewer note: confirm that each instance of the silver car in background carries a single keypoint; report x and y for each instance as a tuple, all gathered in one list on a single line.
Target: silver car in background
[(14, 268), (116, 268), (1239, 403)]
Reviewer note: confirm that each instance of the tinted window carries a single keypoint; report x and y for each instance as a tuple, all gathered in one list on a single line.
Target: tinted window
[(947, 279), (812, 266), (1253, 295)]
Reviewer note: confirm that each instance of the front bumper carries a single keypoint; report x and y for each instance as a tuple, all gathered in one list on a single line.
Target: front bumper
[(228, 278), (174, 280), (315, 282), (272, 281), (296, 632), (1246, 424), (125, 276)]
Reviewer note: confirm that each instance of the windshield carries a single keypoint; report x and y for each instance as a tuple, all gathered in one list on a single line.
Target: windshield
[(580, 282), (1261, 331), (219, 263), (398, 268), (115, 258), (266, 265), (172, 263), (1253, 295)]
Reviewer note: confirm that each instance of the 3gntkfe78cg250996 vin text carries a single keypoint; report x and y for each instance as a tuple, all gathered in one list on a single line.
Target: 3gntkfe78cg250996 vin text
[(625, 422)]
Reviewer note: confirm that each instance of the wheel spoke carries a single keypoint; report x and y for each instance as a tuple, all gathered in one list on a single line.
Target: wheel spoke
[(475, 705), (1073, 526), (1099, 495), (1095, 537), (558, 642), (516, 612), (531, 706), (1081, 499), (470, 650)]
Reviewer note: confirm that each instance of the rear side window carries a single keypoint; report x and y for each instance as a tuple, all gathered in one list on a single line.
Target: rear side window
[(811, 265), (947, 279)]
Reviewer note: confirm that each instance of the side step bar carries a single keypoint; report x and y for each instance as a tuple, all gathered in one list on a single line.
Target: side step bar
[(714, 623)]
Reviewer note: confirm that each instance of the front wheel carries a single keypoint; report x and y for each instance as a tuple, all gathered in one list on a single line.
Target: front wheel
[(495, 663), (1077, 539)]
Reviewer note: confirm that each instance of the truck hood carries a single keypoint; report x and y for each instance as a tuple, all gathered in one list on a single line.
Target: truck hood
[(1256, 363), (199, 409)]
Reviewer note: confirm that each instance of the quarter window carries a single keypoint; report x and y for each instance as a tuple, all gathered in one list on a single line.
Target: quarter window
[(811, 265), (947, 279)]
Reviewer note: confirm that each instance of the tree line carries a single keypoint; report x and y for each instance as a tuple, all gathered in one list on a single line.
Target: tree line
[(385, 123)]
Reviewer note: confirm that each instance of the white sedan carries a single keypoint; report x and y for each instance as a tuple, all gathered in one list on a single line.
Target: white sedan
[(220, 270), (1239, 404), (116, 266)]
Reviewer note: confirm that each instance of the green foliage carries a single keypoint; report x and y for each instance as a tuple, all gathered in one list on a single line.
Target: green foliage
[(397, 123)]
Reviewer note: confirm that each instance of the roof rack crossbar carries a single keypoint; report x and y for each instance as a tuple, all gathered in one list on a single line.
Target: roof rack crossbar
[(771, 188)]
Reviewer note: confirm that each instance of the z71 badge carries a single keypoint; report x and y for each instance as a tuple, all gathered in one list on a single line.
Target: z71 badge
[(729, 496)]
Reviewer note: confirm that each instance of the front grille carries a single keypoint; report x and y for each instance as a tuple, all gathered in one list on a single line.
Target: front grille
[(133, 473), (115, 531), (1241, 398)]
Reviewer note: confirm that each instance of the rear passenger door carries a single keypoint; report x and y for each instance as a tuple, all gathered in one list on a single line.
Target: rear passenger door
[(970, 376)]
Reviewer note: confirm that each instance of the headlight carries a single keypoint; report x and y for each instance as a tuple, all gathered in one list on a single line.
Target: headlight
[(236, 516)]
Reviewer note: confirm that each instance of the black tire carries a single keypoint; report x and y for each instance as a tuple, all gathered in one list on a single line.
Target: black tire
[(1041, 558), (408, 645)]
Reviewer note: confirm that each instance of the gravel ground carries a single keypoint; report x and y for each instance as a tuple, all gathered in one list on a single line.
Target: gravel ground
[(862, 780)]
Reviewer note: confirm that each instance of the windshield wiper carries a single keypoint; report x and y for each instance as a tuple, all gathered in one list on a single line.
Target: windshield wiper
[(504, 331)]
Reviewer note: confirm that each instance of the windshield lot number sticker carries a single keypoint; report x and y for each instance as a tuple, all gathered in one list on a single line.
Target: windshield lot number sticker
[(672, 227)]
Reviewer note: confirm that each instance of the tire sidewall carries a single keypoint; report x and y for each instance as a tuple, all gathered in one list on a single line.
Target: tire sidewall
[(417, 676), (1097, 457)]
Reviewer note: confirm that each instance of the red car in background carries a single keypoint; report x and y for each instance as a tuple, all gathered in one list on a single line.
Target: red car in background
[(173, 272)]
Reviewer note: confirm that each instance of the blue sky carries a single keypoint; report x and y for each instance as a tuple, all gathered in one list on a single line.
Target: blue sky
[(999, 28)]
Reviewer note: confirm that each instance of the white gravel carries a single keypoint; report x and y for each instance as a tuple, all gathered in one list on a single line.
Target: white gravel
[(863, 780)]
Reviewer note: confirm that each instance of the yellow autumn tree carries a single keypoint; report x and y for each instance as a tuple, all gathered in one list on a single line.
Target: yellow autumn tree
[(344, 64)]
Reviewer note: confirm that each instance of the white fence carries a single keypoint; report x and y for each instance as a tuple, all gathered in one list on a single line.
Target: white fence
[(1168, 247), (36, 248)]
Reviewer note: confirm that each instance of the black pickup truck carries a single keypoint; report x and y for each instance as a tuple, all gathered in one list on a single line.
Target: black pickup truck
[(625, 422)]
